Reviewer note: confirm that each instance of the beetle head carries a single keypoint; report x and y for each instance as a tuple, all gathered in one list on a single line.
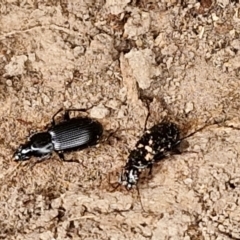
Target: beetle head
[(129, 177), (24, 152), (39, 145)]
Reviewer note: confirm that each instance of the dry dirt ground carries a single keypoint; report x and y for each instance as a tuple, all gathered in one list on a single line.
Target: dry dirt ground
[(180, 57)]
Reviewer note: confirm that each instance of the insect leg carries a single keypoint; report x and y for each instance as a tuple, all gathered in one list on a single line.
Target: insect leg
[(66, 115), (61, 156), (67, 111), (150, 167), (140, 199), (53, 123), (147, 117), (40, 160)]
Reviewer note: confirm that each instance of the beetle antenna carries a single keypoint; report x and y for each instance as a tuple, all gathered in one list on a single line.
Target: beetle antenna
[(198, 130), (111, 134)]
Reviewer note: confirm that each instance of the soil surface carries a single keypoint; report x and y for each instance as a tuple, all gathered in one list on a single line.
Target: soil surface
[(121, 59)]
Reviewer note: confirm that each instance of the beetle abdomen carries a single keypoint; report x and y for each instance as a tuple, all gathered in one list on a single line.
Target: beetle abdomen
[(154, 145), (75, 133)]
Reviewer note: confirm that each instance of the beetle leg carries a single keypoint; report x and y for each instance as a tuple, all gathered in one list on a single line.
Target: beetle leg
[(111, 134), (146, 120), (40, 160), (176, 151), (150, 166), (67, 111), (61, 156), (53, 123), (66, 116)]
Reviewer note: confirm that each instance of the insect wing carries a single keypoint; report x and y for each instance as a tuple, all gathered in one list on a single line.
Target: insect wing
[(75, 133)]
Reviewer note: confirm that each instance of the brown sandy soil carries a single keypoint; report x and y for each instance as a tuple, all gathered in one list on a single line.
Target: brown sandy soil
[(181, 56)]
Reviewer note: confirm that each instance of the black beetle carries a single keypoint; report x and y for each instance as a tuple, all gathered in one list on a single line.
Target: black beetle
[(70, 134), (160, 141), (155, 144)]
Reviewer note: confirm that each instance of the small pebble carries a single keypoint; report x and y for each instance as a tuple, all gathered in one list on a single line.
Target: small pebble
[(9, 83), (99, 112), (188, 107)]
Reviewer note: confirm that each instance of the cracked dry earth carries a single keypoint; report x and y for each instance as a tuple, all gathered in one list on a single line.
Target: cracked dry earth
[(180, 57)]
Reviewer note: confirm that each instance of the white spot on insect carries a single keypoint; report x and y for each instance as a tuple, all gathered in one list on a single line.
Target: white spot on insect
[(26, 150), (149, 157), (140, 166), (44, 149), (149, 149), (132, 177), (150, 142), (128, 178)]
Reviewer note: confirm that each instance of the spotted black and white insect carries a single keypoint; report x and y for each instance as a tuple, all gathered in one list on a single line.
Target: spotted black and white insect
[(155, 144), (70, 134)]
